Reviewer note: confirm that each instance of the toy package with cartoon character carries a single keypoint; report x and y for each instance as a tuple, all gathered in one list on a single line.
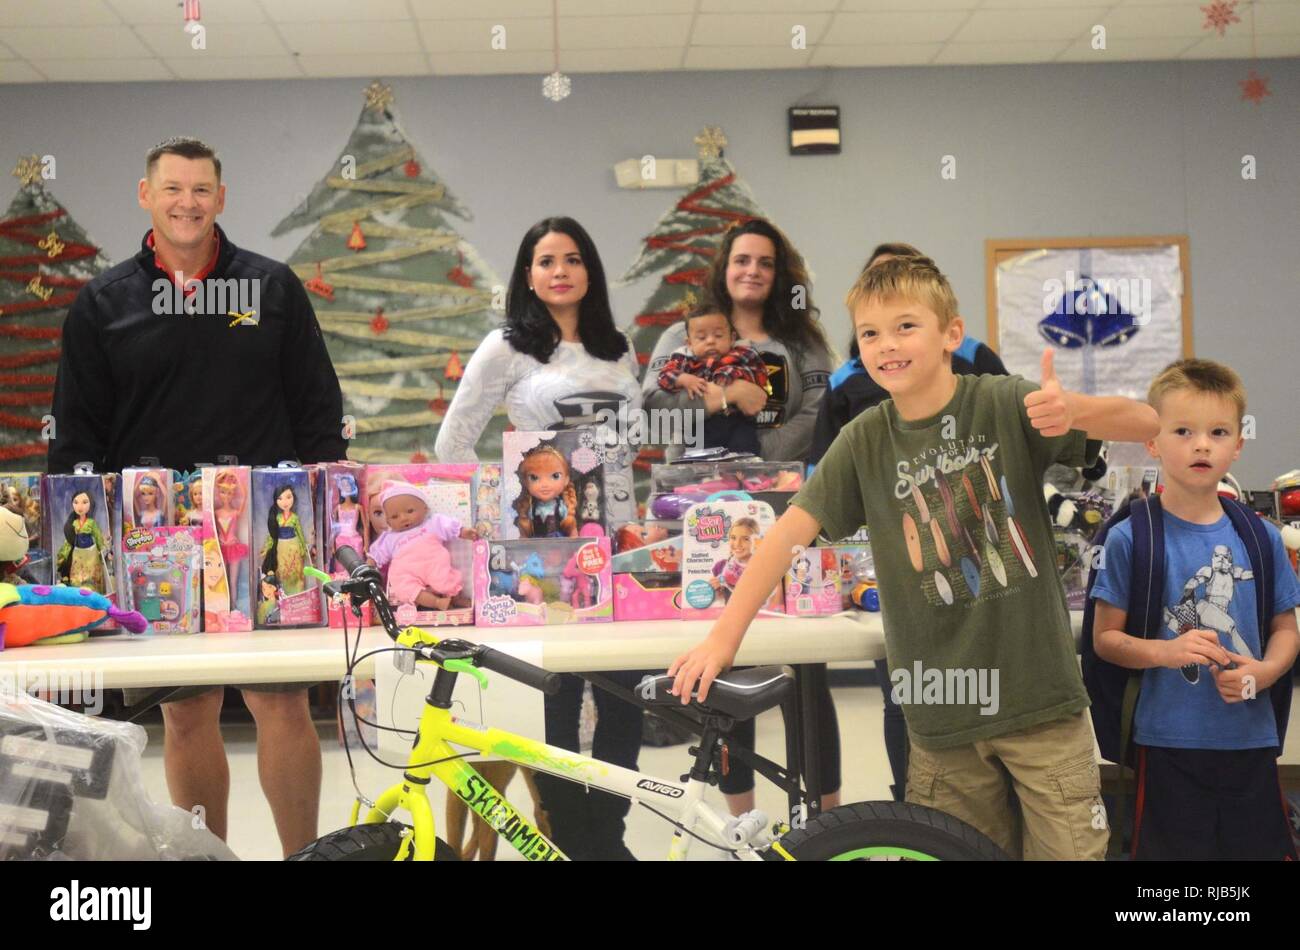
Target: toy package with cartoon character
[(229, 568), (719, 540), (423, 514), (813, 584), (20, 494), (343, 523), (82, 523), (284, 543), (553, 484), (647, 570), (161, 567), (542, 581)]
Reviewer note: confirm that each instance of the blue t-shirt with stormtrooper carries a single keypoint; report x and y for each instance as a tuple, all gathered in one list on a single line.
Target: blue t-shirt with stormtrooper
[(1208, 585)]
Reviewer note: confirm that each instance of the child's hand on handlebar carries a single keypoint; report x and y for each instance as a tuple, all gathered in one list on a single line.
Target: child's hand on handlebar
[(703, 663)]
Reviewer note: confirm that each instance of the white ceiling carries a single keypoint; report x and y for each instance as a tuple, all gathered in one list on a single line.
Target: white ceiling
[(141, 40)]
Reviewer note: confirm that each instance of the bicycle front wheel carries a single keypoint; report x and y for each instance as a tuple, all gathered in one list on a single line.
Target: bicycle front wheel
[(377, 842), (884, 831)]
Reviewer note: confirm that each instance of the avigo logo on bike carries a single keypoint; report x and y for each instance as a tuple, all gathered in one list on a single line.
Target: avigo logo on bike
[(672, 791)]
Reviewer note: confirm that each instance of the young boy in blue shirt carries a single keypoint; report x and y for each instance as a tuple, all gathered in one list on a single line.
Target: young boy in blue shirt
[(1204, 728)]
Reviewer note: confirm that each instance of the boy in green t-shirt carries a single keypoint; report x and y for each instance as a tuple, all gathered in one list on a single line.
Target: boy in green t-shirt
[(947, 476)]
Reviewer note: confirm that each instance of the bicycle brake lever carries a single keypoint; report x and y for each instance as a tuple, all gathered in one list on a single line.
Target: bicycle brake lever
[(466, 666)]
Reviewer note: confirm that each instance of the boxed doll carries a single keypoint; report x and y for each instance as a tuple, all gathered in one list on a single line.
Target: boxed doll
[(647, 571), (80, 523), (284, 543), (542, 581), (719, 540), (553, 484), (20, 492), (162, 567), (424, 513), (226, 535), (813, 584), (146, 498), (675, 487), (344, 523), (187, 498), (857, 576)]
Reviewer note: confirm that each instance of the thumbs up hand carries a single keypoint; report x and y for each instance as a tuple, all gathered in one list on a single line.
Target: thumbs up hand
[(1048, 408)]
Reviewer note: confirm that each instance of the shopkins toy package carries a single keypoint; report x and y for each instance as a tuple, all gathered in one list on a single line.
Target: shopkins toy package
[(813, 584), (162, 567), (553, 484), (542, 581), (720, 538), (229, 569), (283, 520)]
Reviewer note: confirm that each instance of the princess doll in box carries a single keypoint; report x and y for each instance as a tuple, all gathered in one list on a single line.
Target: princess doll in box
[(412, 549), (548, 502), (345, 526), (189, 508), (285, 552), (228, 510), (147, 505), (216, 591), (80, 560)]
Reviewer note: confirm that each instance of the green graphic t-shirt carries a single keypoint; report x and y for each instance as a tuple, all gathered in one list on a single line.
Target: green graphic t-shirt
[(972, 603)]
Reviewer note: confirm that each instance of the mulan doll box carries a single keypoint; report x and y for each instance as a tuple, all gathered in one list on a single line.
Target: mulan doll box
[(284, 544)]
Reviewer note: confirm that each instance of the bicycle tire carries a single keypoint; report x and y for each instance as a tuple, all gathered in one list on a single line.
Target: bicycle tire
[(377, 842), (888, 830)]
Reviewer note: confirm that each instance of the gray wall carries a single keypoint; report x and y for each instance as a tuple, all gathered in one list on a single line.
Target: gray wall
[(1142, 148)]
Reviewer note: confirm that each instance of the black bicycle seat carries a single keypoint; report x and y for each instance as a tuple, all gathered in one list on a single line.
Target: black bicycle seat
[(740, 694)]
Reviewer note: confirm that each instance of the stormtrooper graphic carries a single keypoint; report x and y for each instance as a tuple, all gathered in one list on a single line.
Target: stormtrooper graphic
[(1210, 612)]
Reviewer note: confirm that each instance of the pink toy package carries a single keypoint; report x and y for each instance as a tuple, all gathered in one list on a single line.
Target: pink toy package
[(720, 538), (423, 548), (162, 567), (542, 581), (345, 525), (647, 571), (812, 585), (553, 484), (226, 535)]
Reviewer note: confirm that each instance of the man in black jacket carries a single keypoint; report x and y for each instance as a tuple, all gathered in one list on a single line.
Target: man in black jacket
[(192, 350)]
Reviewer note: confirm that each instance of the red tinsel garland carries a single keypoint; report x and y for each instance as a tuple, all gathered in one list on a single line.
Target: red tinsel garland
[(31, 358), (9, 453)]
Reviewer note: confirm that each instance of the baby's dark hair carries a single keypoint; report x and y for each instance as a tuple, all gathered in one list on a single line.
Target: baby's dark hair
[(703, 310)]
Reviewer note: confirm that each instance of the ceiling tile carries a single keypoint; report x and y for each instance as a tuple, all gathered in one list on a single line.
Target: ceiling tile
[(485, 9), (15, 70), (79, 12), (620, 60), (883, 54), (1272, 18), (1036, 51), (1239, 47), (624, 32), (1125, 50), (234, 67), (1002, 26), (220, 39), (769, 6), (475, 36), (103, 70), (745, 57), (75, 42), (623, 7), (763, 29), (489, 62), (316, 11), (7, 53), (136, 12), (1142, 22), (343, 39), (366, 65), (906, 6), (853, 29)]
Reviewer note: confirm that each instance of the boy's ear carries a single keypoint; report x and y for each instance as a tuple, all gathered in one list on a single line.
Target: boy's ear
[(956, 333)]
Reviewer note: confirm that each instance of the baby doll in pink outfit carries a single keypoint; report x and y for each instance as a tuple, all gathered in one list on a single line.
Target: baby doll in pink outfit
[(419, 567)]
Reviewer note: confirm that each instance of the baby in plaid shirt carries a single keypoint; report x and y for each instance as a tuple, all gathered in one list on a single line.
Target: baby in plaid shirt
[(713, 355)]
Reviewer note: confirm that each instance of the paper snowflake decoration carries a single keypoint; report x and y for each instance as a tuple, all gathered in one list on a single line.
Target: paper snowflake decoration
[(587, 440), (556, 86), (1254, 87), (1219, 16)]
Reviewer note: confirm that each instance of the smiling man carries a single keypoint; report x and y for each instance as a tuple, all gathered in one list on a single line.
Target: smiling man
[(191, 350)]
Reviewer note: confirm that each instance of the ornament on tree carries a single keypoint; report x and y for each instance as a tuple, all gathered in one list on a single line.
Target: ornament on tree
[(37, 289), (1219, 16), (419, 458), (28, 170), (318, 285), (454, 370), (457, 274), (357, 240), (392, 314), (51, 244), (440, 404)]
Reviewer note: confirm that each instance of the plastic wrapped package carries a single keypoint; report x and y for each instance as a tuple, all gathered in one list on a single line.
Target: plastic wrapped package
[(71, 789)]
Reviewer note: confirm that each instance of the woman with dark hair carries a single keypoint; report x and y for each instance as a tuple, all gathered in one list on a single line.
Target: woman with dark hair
[(559, 354), (759, 280)]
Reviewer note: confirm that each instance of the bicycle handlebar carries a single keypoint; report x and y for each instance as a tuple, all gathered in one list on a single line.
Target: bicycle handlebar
[(364, 583)]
